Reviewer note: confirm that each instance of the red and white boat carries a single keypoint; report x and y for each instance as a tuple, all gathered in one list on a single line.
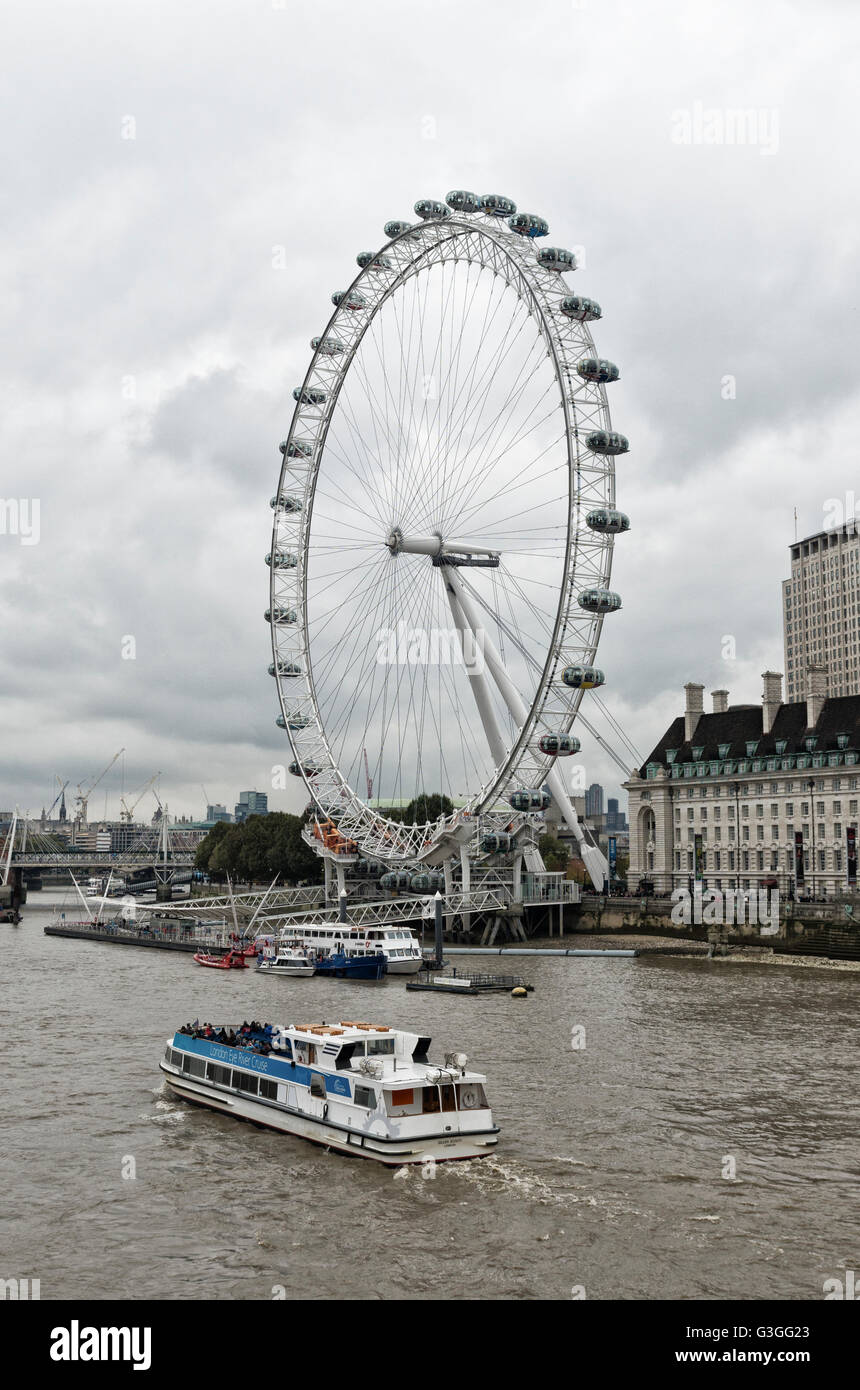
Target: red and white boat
[(231, 960)]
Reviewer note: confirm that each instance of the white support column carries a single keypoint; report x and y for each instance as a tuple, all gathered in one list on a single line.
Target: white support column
[(592, 857), (340, 871), (465, 883), (477, 680)]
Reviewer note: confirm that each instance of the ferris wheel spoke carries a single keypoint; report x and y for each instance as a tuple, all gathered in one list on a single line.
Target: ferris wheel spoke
[(487, 375), (463, 519), (438, 490), (486, 440), (471, 418)]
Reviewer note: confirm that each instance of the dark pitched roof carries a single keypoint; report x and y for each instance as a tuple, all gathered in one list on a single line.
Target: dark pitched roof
[(740, 724)]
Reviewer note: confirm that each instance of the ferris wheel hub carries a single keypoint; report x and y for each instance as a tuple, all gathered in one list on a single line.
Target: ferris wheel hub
[(436, 547)]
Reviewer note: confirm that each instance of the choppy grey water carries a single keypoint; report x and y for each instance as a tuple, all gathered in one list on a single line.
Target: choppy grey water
[(608, 1175)]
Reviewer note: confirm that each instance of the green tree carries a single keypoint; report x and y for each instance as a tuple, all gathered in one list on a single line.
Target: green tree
[(553, 853), (427, 807), (208, 845)]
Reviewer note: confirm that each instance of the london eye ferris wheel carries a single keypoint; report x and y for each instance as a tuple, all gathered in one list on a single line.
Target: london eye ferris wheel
[(443, 533)]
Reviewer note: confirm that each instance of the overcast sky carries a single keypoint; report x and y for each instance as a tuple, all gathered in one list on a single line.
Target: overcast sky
[(155, 154)]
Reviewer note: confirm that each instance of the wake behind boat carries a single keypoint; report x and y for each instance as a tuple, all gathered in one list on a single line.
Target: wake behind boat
[(363, 1088)]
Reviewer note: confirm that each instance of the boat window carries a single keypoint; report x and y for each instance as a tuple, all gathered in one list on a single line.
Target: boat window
[(404, 1097), (243, 1082), (317, 1086), (449, 1101), (380, 1045), (268, 1089), (344, 1056), (365, 1096), (194, 1066), (219, 1074), (430, 1100), (176, 1059), (470, 1096), (422, 1047)]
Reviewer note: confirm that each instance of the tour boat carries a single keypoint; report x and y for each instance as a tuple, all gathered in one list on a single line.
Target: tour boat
[(231, 960), (289, 960), (359, 1088), (353, 963), (401, 949)]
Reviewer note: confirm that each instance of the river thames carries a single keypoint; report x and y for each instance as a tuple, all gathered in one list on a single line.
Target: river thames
[(702, 1144)]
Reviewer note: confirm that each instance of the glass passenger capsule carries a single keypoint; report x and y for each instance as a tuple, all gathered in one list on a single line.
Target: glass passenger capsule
[(607, 521), (576, 306), (427, 883), (430, 209), (461, 201), (597, 369), (350, 299), (309, 395), (559, 745), (497, 205), (367, 868), (498, 843), (373, 261), (527, 224), (583, 677), (281, 617), (307, 769), (296, 448), (284, 668), (399, 881), (607, 442), (556, 258), (530, 799), (393, 229), (329, 347), (599, 601), (283, 503), (282, 560)]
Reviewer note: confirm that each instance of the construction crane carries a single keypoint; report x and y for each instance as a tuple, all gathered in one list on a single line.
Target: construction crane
[(367, 775), (127, 812), (83, 796)]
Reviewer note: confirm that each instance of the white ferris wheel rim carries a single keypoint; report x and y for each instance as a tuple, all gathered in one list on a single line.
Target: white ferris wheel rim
[(482, 240)]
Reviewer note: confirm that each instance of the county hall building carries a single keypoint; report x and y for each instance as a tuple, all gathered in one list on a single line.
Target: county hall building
[(751, 796)]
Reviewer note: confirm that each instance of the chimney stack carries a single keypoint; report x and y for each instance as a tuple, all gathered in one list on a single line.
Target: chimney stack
[(721, 701), (771, 699), (816, 693), (694, 708)]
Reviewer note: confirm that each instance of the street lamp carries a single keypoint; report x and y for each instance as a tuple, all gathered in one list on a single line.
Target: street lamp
[(811, 786)]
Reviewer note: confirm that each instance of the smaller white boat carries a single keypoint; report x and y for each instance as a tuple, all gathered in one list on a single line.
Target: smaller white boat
[(287, 960)]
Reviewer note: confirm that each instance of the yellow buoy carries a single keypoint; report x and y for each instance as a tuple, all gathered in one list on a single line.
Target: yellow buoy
[(519, 993)]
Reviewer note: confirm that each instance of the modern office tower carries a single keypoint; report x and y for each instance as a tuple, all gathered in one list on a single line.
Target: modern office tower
[(594, 800), (251, 804), (821, 612)]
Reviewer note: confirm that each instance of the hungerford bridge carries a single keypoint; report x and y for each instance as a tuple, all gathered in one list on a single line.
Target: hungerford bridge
[(164, 850)]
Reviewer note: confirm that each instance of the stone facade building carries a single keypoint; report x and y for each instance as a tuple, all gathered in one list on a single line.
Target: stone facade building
[(821, 611), (751, 796)]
